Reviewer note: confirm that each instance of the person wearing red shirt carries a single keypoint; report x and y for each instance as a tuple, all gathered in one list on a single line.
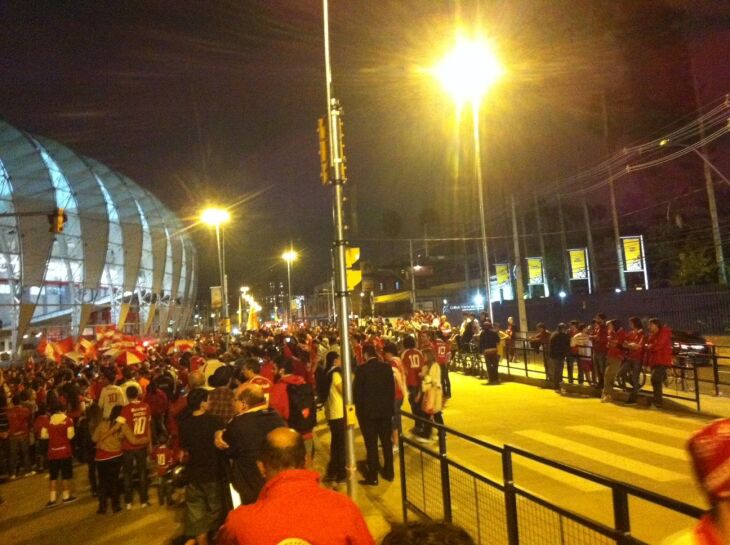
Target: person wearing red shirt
[(634, 344), (659, 348), (312, 514), (252, 374), (279, 399), (19, 434), (158, 403), (413, 365), (164, 458), (442, 349), (137, 416), (390, 353), (59, 431), (614, 357)]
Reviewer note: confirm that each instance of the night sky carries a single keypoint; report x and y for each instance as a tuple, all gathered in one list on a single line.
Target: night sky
[(217, 102)]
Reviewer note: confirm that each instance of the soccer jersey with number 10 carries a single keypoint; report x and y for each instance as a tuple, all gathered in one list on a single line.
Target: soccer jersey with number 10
[(138, 417)]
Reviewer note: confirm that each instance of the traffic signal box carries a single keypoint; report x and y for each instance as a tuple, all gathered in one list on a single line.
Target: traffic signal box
[(354, 270), (57, 219)]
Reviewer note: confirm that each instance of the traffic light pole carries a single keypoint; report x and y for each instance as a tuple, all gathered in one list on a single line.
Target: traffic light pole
[(337, 170)]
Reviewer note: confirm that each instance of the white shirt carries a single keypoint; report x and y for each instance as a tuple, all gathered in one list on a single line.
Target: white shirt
[(110, 396), (334, 407)]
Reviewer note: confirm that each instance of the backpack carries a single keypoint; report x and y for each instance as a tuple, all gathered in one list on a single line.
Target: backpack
[(302, 407), (325, 384)]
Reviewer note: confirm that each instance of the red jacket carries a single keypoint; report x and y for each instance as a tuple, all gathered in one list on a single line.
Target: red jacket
[(636, 337), (157, 401), (660, 348), (19, 421), (278, 396), (292, 506), (615, 344), (599, 336)]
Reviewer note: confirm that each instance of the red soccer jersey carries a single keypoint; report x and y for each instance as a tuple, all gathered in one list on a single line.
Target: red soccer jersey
[(19, 421), (40, 422), (60, 431), (164, 458), (138, 416), (443, 353), (413, 362)]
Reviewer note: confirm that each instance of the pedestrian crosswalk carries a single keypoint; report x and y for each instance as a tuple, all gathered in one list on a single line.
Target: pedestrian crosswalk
[(646, 450)]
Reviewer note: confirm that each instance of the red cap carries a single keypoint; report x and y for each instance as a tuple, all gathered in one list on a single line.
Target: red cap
[(710, 450)]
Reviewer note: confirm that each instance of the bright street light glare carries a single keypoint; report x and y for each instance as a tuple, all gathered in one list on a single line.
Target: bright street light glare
[(289, 256), (469, 70), (215, 216)]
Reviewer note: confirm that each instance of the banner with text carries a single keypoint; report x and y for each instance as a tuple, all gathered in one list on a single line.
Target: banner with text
[(633, 253), (502, 270), (578, 264), (216, 297), (535, 275)]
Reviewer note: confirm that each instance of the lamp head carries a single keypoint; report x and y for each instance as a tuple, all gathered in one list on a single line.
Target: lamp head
[(289, 256), (215, 216)]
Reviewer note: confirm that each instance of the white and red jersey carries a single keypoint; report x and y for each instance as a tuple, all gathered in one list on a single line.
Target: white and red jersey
[(413, 363), (263, 382), (138, 416), (59, 431), (110, 396), (442, 351), (164, 458)]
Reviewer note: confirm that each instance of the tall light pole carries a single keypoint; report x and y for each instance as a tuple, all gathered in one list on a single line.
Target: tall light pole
[(467, 73), (289, 256), (712, 205), (216, 217)]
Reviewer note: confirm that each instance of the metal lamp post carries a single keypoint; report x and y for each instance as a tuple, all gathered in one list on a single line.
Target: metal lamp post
[(467, 73), (289, 256), (216, 217)]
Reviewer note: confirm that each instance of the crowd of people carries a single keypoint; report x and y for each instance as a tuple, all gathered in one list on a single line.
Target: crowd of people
[(596, 353), (233, 423)]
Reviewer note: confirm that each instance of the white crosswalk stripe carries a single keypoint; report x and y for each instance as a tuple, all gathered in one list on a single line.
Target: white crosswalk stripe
[(643, 469), (633, 442), (655, 428)]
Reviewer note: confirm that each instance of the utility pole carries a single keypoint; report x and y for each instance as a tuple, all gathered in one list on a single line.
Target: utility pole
[(336, 168), (521, 307), (412, 275), (589, 243), (612, 196), (542, 246), (563, 247)]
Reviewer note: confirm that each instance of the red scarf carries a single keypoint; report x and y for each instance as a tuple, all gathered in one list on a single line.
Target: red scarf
[(705, 532)]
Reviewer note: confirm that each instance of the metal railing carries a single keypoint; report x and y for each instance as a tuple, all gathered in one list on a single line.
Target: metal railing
[(502, 511), (684, 379)]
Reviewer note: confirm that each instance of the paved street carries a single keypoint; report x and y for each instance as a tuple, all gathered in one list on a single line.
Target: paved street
[(644, 447)]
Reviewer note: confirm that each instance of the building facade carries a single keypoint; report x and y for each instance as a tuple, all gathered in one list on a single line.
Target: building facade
[(122, 258)]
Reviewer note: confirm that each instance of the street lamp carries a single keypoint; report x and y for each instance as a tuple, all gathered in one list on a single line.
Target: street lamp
[(289, 256), (216, 217), (467, 73)]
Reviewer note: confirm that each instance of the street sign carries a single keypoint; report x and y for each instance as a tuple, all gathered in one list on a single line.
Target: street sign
[(633, 254)]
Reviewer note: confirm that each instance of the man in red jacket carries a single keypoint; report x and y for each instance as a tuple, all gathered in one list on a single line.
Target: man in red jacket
[(19, 429), (292, 507), (614, 356), (659, 348)]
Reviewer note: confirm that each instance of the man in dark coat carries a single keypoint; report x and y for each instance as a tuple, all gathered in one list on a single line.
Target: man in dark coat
[(559, 349), (242, 439), (374, 391)]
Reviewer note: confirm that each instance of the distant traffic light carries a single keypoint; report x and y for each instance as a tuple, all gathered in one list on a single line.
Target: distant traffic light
[(57, 219)]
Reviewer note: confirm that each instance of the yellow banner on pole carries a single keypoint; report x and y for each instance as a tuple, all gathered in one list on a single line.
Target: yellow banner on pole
[(216, 297), (502, 270), (534, 271), (578, 264), (633, 258)]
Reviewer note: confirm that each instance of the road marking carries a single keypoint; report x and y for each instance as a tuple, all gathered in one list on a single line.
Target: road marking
[(562, 477), (601, 456), (634, 442), (655, 428)]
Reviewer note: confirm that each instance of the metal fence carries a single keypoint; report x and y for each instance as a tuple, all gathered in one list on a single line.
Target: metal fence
[(503, 511), (697, 369)]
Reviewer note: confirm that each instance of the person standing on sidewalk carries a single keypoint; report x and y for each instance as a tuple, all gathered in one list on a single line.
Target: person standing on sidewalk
[(334, 412), (390, 351), (614, 357), (374, 391), (558, 351), (432, 401), (488, 343), (659, 349), (634, 344), (599, 338), (138, 417), (60, 432), (413, 363)]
